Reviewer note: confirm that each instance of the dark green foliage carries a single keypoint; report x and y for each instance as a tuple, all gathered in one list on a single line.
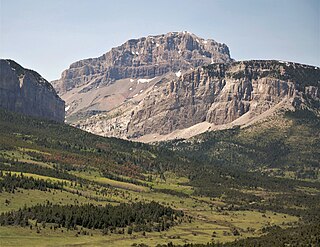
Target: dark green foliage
[(122, 179), (9, 165), (230, 162), (139, 215), (68, 145), (10, 182), (223, 164), (171, 192), (301, 116), (295, 149)]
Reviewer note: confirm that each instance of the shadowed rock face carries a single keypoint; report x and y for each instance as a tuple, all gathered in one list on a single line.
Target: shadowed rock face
[(217, 94), (26, 92), (146, 57)]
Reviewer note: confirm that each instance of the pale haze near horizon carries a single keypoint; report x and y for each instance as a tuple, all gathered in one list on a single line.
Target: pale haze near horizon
[(47, 36)]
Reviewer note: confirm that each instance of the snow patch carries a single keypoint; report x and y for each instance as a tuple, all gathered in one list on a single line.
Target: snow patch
[(135, 95), (197, 40), (145, 80), (141, 90), (130, 89), (137, 53), (131, 80), (179, 52), (157, 45), (67, 108), (205, 42), (178, 74)]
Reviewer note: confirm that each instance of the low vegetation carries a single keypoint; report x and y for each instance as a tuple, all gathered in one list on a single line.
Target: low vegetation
[(246, 187)]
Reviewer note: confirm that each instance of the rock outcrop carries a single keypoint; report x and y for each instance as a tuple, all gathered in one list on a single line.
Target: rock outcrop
[(25, 91), (177, 82), (217, 94), (146, 57)]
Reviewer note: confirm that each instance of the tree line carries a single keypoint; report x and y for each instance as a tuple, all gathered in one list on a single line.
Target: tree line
[(10, 182), (140, 216)]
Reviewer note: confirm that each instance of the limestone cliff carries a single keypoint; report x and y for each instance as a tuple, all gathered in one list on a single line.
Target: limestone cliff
[(145, 57), (217, 94), (26, 92), (177, 83)]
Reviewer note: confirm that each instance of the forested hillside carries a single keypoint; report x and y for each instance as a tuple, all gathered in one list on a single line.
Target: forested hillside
[(260, 182)]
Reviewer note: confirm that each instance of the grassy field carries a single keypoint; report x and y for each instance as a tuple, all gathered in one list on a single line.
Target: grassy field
[(236, 206), (206, 224), (198, 231), (172, 182), (32, 197), (36, 176), (94, 176)]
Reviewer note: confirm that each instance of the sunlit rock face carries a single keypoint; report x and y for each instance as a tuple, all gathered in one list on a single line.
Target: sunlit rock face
[(145, 57), (164, 83), (218, 94)]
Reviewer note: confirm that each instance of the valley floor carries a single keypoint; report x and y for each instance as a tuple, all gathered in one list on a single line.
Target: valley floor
[(207, 222), (199, 190)]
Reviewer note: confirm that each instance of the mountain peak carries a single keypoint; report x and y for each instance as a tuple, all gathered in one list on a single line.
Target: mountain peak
[(174, 34), (175, 38), (146, 57)]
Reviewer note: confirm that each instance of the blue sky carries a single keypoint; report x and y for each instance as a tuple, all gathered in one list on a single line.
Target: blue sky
[(48, 36)]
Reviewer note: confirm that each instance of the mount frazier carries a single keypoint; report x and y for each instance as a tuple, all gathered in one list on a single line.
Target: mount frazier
[(146, 57), (179, 85)]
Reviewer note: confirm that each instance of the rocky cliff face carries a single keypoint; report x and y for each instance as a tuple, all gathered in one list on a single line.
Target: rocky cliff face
[(179, 85), (26, 92), (146, 57), (216, 95)]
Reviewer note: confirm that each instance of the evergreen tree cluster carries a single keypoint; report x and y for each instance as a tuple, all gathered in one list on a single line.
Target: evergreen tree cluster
[(17, 166), (106, 174), (68, 145), (141, 216), (10, 182)]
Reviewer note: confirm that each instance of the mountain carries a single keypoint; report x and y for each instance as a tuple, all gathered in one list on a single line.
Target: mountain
[(103, 83), (212, 97), (179, 85), (146, 57), (255, 184), (25, 91)]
